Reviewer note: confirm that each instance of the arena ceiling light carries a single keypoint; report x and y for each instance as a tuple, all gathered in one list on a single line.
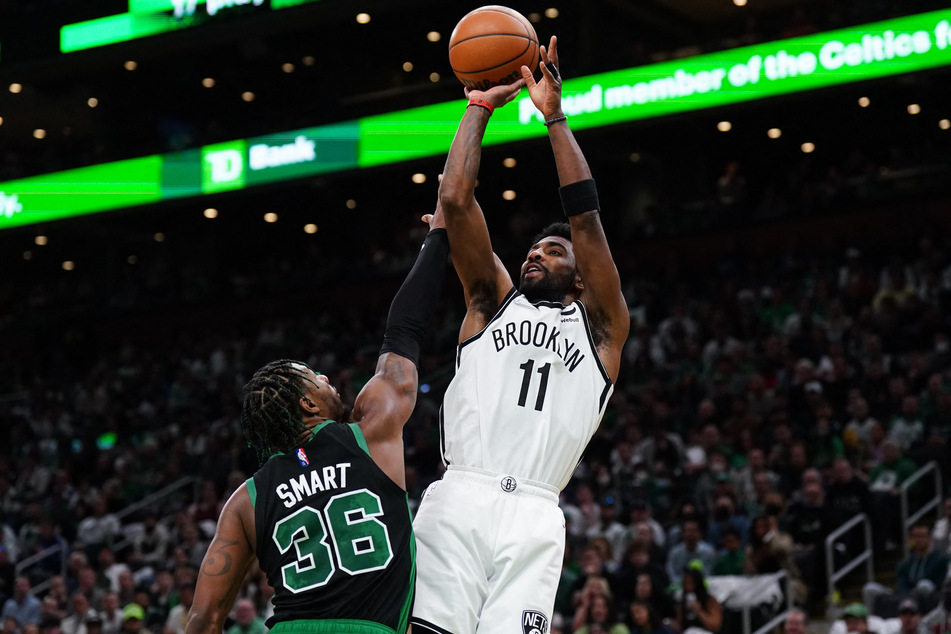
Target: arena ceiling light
[(819, 60)]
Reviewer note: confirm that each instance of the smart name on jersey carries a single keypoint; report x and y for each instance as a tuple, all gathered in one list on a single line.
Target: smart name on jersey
[(306, 484)]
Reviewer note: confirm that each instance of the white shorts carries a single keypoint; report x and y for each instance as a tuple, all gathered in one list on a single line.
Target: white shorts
[(489, 550)]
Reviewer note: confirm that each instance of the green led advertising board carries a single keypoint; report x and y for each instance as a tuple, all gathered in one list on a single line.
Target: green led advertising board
[(870, 51), (152, 17), (81, 191), (882, 49)]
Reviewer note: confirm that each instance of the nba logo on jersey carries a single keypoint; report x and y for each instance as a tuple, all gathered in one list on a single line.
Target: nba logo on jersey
[(534, 622), (302, 457)]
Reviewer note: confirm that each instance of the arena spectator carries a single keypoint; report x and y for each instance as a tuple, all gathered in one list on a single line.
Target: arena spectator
[(92, 623), (33, 478), (725, 519), (49, 624), (110, 569), (111, 614), (59, 592), (705, 487), (921, 575), (595, 613), (593, 568), (885, 482), (731, 559), (49, 611), (855, 618), (636, 564), (163, 596), (133, 619), (907, 429), (862, 420), (86, 584), (661, 446), (646, 591), (690, 549), (641, 533), (938, 620), (23, 607), (98, 529), (643, 619), (941, 533), (609, 528), (641, 514), (581, 514), (74, 621), (126, 589), (771, 550), (796, 622), (698, 608), (846, 497), (52, 562), (246, 619), (178, 615), (150, 545), (910, 616), (807, 524)]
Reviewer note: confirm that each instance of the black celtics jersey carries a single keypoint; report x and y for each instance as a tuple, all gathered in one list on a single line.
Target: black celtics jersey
[(334, 534)]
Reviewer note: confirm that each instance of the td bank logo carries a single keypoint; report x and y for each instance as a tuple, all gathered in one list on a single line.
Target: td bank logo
[(228, 165), (222, 166), (10, 204)]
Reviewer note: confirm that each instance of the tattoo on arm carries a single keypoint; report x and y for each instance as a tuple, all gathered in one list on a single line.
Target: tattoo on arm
[(218, 563), (473, 158), (394, 372)]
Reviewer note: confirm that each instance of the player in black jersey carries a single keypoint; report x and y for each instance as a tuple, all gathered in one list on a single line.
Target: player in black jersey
[(327, 515)]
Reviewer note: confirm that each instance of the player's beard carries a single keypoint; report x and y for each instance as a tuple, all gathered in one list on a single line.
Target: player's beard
[(550, 288)]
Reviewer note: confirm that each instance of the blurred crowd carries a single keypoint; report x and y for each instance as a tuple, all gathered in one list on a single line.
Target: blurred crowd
[(766, 397)]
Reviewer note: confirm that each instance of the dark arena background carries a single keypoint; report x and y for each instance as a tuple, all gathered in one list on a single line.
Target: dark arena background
[(784, 253)]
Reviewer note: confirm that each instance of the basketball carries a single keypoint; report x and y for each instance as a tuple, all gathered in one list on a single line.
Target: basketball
[(489, 46)]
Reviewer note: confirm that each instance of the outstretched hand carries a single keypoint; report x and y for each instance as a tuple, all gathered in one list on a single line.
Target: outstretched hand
[(498, 96), (546, 93)]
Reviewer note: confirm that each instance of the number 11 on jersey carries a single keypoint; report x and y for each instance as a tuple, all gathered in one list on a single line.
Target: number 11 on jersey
[(527, 376)]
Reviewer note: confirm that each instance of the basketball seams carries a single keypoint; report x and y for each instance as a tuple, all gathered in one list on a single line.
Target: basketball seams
[(521, 53), (501, 18)]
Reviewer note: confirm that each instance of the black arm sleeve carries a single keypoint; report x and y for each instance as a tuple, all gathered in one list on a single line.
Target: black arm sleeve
[(417, 297)]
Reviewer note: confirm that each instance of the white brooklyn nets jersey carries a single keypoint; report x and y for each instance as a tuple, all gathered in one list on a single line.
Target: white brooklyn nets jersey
[(528, 393)]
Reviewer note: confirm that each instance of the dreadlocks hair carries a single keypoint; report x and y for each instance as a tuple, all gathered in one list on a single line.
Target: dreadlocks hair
[(560, 229), (270, 415)]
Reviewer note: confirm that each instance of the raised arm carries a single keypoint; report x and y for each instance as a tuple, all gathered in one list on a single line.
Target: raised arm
[(602, 284), (224, 566), (387, 400), (484, 279)]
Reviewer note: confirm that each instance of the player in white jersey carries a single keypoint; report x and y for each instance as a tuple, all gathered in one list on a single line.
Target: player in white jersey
[(535, 368)]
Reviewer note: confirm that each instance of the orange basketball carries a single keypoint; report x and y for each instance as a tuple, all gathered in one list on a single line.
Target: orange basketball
[(489, 46)]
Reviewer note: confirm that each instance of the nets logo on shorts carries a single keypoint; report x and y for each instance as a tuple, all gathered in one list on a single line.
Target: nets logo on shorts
[(534, 622), (508, 484)]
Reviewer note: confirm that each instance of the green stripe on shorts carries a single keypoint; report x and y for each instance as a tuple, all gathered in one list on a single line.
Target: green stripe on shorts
[(330, 626)]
